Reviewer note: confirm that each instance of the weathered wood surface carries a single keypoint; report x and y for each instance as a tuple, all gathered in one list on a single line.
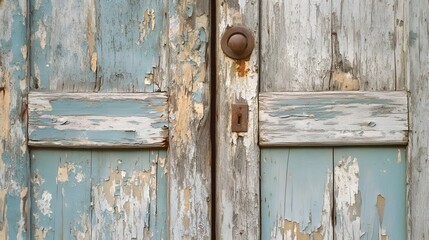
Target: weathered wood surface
[(297, 193), (370, 190), (333, 118), (333, 45), (296, 45), (419, 115), (84, 194), (237, 154), (85, 46), (14, 193), (135, 120), (189, 153)]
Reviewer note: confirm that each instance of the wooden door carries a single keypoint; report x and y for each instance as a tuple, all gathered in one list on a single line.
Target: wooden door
[(328, 122), (114, 84)]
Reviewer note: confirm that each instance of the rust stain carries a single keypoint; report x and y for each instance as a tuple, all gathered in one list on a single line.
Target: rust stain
[(241, 68)]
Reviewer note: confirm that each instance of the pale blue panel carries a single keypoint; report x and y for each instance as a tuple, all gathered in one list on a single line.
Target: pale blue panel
[(128, 44), (382, 171), (293, 186), (60, 184), (125, 195), (62, 44)]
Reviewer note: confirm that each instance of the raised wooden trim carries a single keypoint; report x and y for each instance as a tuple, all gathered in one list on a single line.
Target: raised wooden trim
[(333, 118), (88, 120)]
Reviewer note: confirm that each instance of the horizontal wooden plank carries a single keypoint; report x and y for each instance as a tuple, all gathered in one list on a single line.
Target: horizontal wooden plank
[(91, 120), (333, 118)]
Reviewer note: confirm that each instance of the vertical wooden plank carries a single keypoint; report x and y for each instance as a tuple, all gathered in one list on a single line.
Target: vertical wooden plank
[(369, 186), (190, 145), (130, 38), (237, 154), (124, 192), (60, 185), (419, 115), (367, 45), (296, 193), (13, 148), (296, 45), (63, 53)]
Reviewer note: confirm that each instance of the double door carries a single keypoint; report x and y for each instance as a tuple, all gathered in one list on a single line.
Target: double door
[(132, 108)]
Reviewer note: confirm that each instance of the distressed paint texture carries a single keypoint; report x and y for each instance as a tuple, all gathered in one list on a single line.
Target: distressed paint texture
[(418, 60), (237, 155), (98, 120), (333, 118), (333, 45), (363, 187), (83, 194), (370, 193), (84, 46), (296, 193), (190, 143), (13, 148)]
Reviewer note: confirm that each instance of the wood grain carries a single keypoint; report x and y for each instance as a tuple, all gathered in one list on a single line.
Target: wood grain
[(14, 164), (296, 45), (98, 120), (189, 153), (419, 115), (237, 154), (333, 118)]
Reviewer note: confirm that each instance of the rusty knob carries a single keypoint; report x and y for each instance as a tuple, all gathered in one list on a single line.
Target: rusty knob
[(237, 43)]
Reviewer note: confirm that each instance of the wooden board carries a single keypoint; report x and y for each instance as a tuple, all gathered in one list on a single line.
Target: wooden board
[(190, 144), (14, 194), (98, 120), (418, 62), (237, 154), (370, 193), (295, 45), (85, 194), (333, 118), (333, 45), (296, 193)]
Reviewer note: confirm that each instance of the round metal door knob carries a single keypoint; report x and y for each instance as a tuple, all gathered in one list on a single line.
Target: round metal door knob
[(237, 43)]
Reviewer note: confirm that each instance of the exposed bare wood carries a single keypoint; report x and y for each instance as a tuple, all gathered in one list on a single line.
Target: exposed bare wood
[(14, 193), (237, 154), (333, 118), (138, 120), (419, 115), (189, 153)]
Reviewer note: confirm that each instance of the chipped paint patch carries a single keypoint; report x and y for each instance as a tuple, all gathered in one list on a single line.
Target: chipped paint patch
[(147, 25), (348, 201), (344, 81), (63, 173), (44, 203)]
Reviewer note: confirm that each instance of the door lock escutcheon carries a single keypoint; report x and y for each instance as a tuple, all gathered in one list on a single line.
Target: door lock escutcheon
[(238, 43), (239, 117)]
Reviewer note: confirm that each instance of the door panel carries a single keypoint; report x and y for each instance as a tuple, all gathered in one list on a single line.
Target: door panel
[(370, 193), (99, 194), (296, 193)]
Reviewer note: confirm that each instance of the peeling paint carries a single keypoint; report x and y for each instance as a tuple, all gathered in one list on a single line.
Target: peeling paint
[(44, 203), (347, 199), (147, 25)]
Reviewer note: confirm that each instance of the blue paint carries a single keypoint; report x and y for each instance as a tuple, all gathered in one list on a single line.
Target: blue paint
[(190, 10), (111, 108), (380, 173), (293, 183), (125, 58)]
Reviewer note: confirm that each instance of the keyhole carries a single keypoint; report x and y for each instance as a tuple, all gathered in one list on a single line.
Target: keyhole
[(239, 119)]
